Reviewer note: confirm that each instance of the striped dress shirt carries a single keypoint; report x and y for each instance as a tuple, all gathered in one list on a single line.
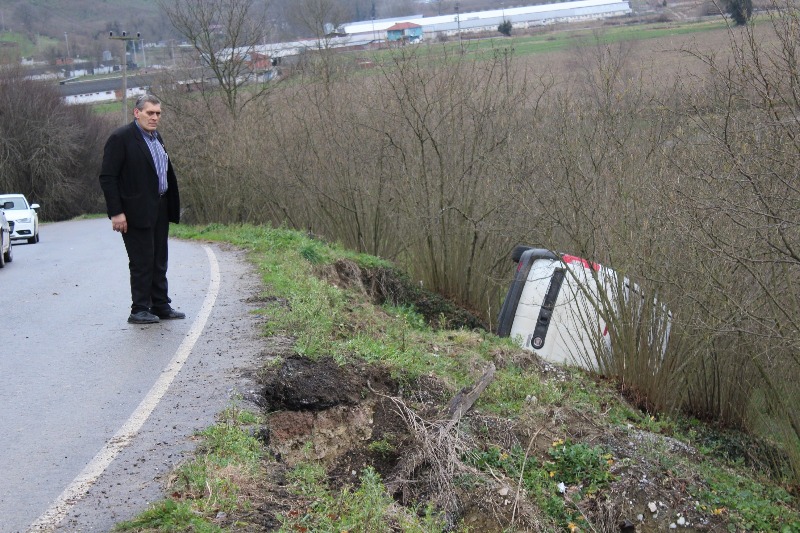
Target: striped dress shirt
[(160, 158)]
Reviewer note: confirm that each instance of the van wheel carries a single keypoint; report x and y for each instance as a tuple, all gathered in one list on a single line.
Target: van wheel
[(516, 253), (9, 255)]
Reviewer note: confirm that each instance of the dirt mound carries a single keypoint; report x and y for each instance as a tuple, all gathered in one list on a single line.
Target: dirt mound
[(349, 418), (339, 410), (302, 384)]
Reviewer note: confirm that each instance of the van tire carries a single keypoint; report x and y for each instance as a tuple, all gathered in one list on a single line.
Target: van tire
[(516, 253)]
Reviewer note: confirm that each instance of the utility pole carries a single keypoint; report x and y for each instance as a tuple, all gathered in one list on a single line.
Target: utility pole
[(458, 23), (124, 38), (67, 41), (372, 14)]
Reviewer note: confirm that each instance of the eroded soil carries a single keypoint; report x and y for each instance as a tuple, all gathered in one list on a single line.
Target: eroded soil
[(322, 412)]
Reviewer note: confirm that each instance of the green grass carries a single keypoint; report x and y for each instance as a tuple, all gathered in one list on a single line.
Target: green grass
[(549, 42), (91, 216), (215, 480), (28, 48), (170, 515), (750, 505), (574, 469), (366, 508), (111, 108)]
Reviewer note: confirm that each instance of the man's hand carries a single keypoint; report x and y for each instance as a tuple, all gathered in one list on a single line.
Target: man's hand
[(119, 223)]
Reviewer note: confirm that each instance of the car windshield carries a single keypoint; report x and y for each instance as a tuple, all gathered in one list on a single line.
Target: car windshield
[(19, 202)]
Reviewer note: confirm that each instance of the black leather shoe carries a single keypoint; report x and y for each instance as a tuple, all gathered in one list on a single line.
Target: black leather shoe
[(143, 317), (168, 313)]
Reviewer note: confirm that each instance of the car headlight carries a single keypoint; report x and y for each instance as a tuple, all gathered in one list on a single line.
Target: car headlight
[(24, 220)]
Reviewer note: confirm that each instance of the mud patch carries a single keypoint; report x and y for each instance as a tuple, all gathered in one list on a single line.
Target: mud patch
[(354, 417), (357, 416), (303, 384), (321, 411), (319, 436)]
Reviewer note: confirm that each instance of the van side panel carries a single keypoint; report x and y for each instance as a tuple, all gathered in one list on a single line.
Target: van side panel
[(530, 304), (547, 307)]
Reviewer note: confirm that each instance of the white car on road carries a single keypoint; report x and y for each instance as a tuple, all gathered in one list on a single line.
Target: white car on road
[(24, 215), (5, 239)]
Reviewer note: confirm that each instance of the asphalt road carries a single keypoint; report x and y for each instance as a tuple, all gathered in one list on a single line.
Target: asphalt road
[(96, 411)]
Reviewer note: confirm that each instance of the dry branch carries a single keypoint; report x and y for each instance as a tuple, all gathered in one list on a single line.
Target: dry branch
[(436, 455)]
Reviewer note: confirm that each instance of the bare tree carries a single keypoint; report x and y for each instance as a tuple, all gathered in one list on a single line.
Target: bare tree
[(54, 158), (319, 18), (226, 35), (740, 181)]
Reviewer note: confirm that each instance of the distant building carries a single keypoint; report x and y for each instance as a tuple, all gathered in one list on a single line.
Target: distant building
[(482, 21), (404, 31), (105, 90)]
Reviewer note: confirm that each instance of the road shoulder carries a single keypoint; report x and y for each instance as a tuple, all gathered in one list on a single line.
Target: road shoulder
[(218, 372)]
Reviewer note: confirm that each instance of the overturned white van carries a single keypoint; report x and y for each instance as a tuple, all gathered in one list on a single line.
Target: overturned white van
[(567, 310)]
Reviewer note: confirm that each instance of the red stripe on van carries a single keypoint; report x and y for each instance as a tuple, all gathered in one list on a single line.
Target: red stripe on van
[(584, 262)]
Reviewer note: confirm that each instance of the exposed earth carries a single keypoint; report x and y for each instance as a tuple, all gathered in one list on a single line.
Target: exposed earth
[(342, 411)]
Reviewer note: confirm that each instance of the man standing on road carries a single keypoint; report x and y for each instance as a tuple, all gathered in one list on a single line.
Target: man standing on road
[(141, 193)]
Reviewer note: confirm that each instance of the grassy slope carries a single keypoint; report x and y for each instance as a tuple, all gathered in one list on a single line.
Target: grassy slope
[(577, 415)]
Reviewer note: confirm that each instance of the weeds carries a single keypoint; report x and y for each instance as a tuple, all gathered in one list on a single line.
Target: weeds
[(367, 508), (218, 479), (749, 505), (383, 447), (539, 479), (580, 464), (169, 515)]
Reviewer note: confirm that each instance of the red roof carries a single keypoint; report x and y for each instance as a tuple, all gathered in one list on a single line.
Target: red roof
[(403, 26)]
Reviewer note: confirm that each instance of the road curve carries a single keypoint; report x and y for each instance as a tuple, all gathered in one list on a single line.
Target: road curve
[(97, 411)]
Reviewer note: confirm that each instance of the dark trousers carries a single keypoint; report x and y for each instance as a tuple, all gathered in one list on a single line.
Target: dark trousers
[(147, 261)]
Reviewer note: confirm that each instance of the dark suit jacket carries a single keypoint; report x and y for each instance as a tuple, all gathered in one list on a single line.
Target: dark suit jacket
[(129, 180)]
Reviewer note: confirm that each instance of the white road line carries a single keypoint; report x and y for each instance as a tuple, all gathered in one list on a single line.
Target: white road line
[(81, 484)]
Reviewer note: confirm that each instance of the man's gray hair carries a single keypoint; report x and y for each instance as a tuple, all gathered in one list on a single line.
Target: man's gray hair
[(147, 99)]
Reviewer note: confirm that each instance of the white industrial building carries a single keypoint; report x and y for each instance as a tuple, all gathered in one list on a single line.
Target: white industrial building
[(363, 33), (520, 17)]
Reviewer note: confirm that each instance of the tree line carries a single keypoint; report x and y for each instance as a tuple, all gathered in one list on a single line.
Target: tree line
[(49, 151)]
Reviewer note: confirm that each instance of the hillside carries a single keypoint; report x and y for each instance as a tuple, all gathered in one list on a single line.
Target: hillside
[(45, 30), (86, 18), (384, 408)]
